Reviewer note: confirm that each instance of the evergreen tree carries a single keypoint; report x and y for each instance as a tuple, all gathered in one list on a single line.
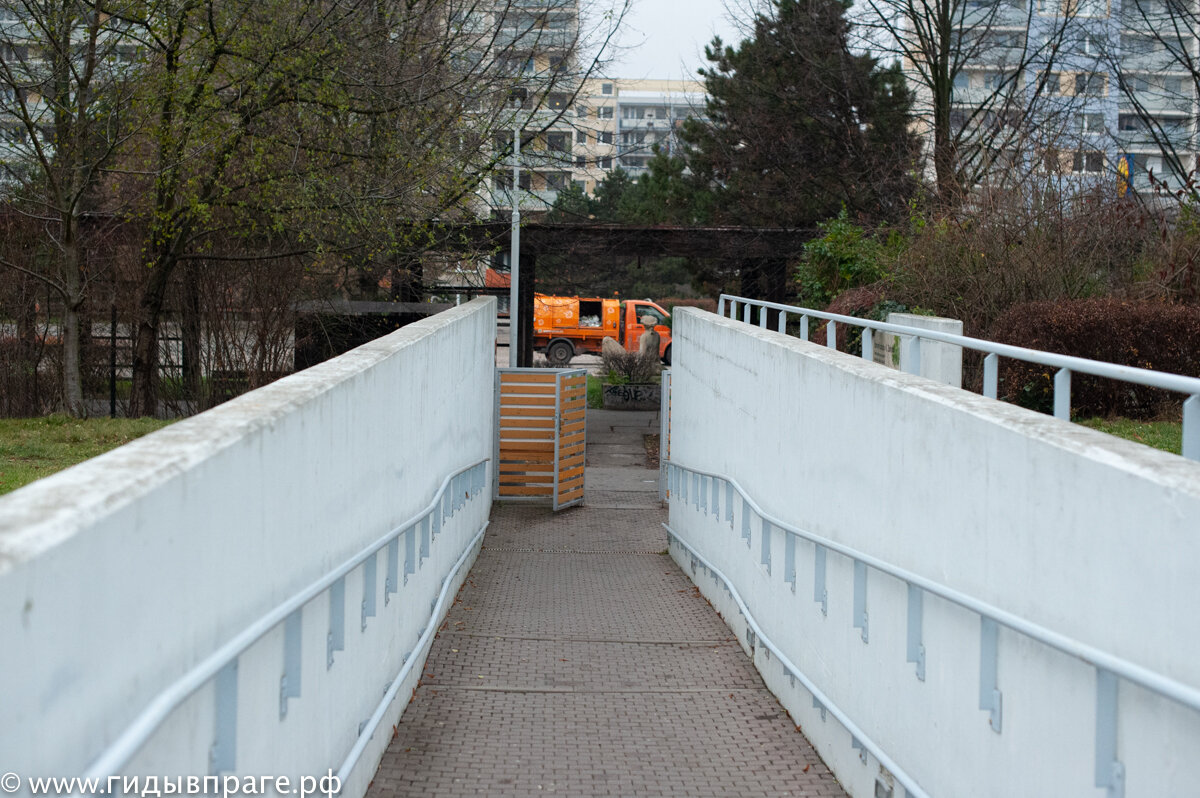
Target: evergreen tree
[(798, 126)]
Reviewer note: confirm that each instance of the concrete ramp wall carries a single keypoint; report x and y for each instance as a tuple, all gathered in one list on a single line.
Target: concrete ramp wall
[(1091, 538), (121, 574)]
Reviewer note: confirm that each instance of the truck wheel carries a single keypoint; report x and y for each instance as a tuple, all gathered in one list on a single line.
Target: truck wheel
[(560, 353), (666, 358)]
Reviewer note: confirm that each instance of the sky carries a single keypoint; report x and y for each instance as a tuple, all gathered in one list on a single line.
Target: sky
[(666, 38)]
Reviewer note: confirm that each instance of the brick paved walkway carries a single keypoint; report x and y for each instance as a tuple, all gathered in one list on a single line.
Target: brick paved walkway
[(579, 660)]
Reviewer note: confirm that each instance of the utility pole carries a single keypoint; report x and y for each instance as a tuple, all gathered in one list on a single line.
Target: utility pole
[(514, 256)]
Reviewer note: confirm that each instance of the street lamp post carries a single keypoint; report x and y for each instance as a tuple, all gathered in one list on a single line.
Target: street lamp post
[(514, 256)]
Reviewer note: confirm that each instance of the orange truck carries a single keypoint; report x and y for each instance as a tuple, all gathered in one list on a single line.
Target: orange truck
[(564, 326)]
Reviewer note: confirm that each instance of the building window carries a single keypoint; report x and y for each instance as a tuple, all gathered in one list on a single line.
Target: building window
[(1130, 123), (606, 163), (558, 142), (581, 111), (1087, 161), (962, 80), (581, 137), (1090, 84), (606, 88), (1089, 123), (581, 161), (556, 102), (557, 181), (606, 112), (606, 137)]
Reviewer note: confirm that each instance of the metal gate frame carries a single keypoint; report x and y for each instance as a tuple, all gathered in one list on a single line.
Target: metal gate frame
[(530, 491), (664, 436)]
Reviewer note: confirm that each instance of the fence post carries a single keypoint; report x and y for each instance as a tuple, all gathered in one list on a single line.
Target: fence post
[(112, 365)]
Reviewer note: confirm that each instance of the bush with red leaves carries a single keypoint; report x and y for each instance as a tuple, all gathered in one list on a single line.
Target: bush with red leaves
[(1149, 335)]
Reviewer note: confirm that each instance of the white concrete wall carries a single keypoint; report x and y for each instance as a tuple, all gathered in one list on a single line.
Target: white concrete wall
[(120, 574), (1090, 536)]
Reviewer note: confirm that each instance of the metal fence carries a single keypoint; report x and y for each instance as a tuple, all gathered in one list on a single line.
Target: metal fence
[(910, 360)]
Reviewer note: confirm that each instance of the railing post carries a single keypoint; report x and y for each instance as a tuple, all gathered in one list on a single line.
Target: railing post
[(910, 355), (868, 344), (746, 312), (1110, 773), (1191, 428), (989, 656), (1062, 394), (916, 618), (783, 322), (222, 757), (762, 317), (991, 376), (804, 327), (721, 306), (831, 335)]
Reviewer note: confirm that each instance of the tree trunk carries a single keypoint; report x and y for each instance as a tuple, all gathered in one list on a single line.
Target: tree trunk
[(191, 330), (72, 302), (143, 399)]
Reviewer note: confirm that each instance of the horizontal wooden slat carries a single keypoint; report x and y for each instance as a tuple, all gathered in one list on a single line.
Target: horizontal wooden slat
[(527, 479), (565, 454), (526, 401), (524, 468), (571, 439), (512, 390), (572, 384), (518, 490), (574, 396), (548, 376), (571, 458), (570, 473), (571, 428), (572, 415), (526, 459), (527, 432), (563, 498), (527, 422), (524, 446), (526, 412)]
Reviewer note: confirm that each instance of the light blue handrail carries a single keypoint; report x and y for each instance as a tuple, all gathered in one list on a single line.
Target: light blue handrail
[(1109, 667), (137, 734), (1065, 364)]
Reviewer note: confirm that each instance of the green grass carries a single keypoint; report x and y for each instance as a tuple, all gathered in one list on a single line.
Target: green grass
[(1165, 435), (595, 397), (32, 448)]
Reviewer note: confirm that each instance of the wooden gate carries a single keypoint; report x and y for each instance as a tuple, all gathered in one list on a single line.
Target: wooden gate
[(540, 435)]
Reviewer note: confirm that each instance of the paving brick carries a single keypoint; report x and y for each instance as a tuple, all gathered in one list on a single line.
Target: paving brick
[(579, 660)]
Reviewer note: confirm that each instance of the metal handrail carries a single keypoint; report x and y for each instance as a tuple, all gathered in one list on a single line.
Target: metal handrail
[(1066, 364), (1137, 674), (118, 754), (1109, 668), (910, 784)]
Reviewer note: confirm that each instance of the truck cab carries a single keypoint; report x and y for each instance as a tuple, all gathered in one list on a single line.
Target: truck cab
[(566, 326)]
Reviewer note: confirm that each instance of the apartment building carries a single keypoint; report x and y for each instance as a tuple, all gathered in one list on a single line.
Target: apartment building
[(1076, 90), (620, 122), (608, 123)]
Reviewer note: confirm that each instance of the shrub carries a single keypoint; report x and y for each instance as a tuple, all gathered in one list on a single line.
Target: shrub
[(1149, 335), (864, 302), (845, 256), (630, 367)]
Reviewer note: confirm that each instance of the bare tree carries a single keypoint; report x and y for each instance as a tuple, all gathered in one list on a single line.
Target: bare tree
[(985, 72), (64, 100), (1159, 66)]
